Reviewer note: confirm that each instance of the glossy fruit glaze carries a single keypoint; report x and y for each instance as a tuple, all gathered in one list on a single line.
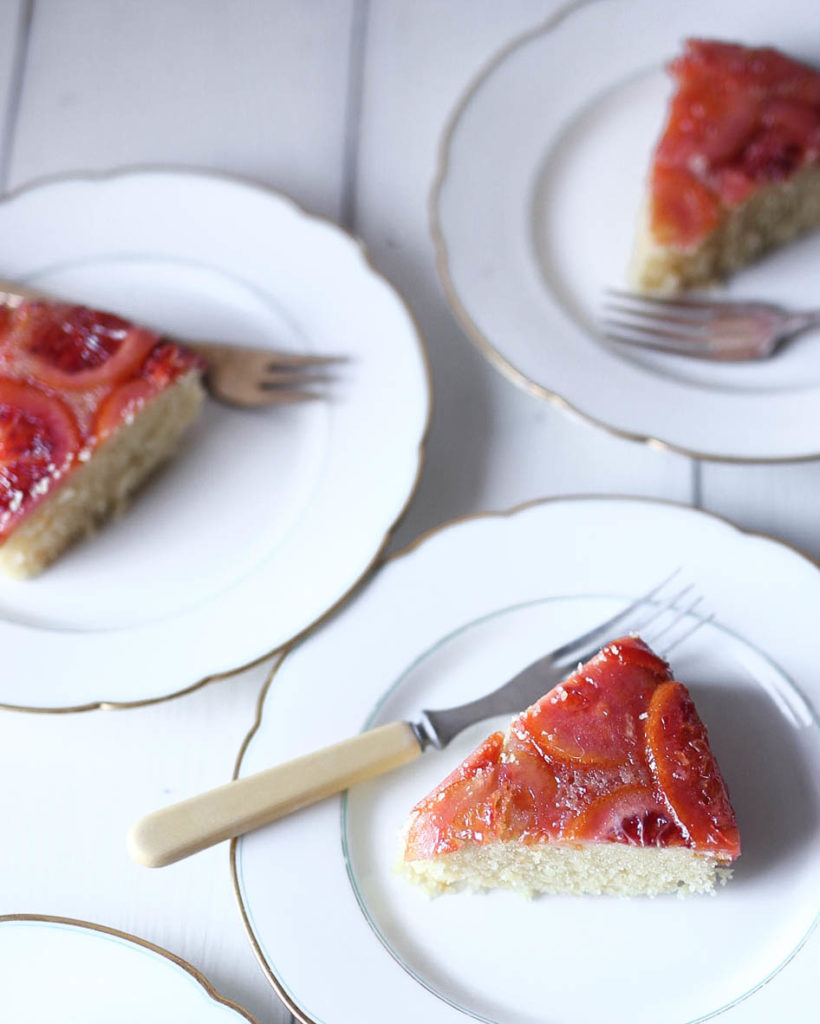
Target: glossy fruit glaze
[(69, 377), (740, 118), (616, 753)]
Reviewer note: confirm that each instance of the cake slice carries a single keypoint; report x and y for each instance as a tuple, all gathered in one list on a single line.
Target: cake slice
[(605, 785), (737, 167), (89, 406)]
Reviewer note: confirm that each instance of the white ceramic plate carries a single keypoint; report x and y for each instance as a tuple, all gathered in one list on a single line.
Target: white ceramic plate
[(267, 517), (534, 214), (54, 969), (452, 618)]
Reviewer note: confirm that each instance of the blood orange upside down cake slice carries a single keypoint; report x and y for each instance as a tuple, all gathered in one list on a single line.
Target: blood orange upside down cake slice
[(737, 168), (605, 785), (89, 405)]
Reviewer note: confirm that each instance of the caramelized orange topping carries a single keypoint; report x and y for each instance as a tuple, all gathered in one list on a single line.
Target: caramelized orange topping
[(617, 753), (740, 118)]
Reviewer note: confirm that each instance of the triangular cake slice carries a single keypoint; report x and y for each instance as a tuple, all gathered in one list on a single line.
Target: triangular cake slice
[(737, 168), (605, 785), (90, 406)]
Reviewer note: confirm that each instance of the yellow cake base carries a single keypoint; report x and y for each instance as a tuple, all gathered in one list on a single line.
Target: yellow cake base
[(103, 486), (773, 216), (578, 869)]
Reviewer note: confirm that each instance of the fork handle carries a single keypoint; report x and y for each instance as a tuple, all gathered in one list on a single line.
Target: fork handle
[(185, 828)]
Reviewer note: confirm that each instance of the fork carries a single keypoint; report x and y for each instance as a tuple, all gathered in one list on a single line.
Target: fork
[(245, 804), (235, 375), (252, 377), (700, 327)]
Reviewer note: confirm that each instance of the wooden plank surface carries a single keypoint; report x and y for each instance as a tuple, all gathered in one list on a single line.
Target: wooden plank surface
[(782, 501), (14, 28), (249, 87)]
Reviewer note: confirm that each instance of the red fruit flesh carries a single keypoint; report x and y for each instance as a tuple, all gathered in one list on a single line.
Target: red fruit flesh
[(463, 807), (71, 347), (34, 427), (122, 405), (629, 815), (591, 718), (740, 118), (38, 443), (165, 364), (69, 377), (598, 759), (687, 772)]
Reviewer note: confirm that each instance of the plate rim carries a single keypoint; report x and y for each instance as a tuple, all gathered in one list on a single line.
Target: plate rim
[(482, 342), (754, 535), (265, 191), (135, 940)]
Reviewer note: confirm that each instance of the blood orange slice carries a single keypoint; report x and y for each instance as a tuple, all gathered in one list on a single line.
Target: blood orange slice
[(629, 815), (38, 442), (591, 718), (74, 348), (122, 405), (465, 807), (687, 772)]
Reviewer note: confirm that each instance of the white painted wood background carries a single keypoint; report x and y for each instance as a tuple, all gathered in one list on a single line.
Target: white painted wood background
[(339, 103)]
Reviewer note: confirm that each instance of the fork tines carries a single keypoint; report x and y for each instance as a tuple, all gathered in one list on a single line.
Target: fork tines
[(671, 617), (682, 622), (668, 611), (665, 324), (287, 360), (285, 374), (728, 331)]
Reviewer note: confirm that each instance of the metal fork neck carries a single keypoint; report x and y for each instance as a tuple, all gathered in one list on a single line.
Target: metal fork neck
[(425, 733), (802, 321)]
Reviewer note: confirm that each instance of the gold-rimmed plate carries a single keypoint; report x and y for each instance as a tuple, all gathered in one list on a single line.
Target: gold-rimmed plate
[(267, 517), (445, 621), (76, 972), (534, 212)]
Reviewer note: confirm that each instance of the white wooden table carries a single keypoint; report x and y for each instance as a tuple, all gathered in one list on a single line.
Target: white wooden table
[(339, 103)]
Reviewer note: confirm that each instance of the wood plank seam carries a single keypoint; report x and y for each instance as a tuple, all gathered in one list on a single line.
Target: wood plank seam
[(353, 112), (697, 483), (21, 50)]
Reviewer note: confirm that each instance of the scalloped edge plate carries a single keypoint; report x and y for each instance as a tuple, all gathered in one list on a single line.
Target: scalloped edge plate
[(267, 518)]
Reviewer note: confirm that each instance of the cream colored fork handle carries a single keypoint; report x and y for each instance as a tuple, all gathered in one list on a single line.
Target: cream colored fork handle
[(178, 831)]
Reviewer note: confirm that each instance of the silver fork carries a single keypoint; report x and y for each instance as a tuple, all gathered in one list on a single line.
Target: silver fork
[(248, 378), (245, 804), (702, 328), (235, 375)]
